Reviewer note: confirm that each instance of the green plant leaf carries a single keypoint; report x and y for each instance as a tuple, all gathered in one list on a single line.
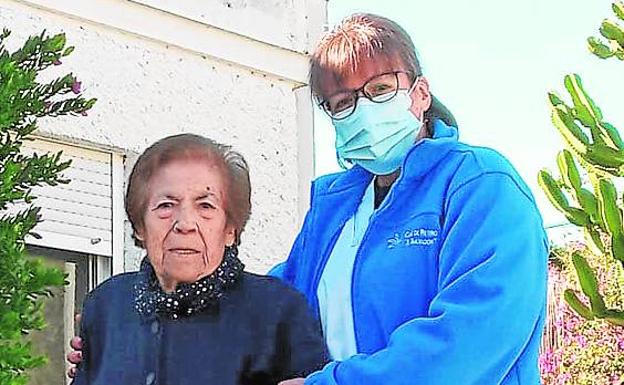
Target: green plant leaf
[(589, 284), (599, 49), (576, 304)]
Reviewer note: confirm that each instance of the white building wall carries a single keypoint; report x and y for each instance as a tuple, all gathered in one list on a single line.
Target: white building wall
[(152, 81), (291, 24)]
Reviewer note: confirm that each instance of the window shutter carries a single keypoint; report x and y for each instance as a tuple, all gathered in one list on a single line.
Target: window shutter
[(76, 216)]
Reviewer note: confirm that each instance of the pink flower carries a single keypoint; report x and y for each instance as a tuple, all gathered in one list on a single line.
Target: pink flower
[(57, 62), (75, 87)]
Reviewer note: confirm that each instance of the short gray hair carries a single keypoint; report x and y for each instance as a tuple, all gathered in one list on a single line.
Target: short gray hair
[(182, 146)]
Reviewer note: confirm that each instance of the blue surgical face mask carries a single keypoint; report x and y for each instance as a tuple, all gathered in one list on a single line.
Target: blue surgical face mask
[(377, 136)]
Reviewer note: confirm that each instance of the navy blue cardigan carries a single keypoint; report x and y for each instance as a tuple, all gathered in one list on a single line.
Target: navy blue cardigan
[(261, 332)]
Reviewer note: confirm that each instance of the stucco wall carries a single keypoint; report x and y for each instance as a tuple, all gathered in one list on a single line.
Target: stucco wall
[(148, 89), (292, 24)]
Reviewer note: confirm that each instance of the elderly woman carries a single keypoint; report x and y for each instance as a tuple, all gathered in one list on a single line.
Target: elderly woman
[(191, 315)]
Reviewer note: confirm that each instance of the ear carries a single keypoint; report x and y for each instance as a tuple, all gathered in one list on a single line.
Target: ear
[(421, 97), (138, 234), (230, 235)]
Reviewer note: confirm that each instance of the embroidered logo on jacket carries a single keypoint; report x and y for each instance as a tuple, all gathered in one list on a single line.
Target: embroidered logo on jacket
[(415, 237)]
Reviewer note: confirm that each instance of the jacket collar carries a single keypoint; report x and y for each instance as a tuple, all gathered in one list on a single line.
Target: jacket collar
[(421, 158)]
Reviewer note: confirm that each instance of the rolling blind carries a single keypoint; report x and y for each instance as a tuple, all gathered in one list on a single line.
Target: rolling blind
[(76, 216)]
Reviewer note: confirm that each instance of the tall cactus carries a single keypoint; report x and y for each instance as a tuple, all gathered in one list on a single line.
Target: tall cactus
[(597, 147)]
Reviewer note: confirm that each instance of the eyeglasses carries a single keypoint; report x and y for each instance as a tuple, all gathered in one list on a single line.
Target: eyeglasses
[(379, 89)]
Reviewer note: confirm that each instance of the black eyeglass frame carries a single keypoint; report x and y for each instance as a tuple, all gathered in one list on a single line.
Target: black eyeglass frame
[(359, 92)]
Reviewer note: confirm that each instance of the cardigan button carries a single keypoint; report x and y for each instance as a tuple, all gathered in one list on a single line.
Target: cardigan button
[(149, 380), (154, 327)]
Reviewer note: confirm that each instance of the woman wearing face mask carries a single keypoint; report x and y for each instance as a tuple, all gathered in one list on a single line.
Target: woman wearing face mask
[(426, 259)]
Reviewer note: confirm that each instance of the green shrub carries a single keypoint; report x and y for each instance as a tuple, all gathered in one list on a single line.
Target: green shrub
[(25, 282)]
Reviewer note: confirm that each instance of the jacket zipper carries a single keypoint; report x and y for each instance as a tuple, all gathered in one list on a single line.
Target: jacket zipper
[(373, 217)]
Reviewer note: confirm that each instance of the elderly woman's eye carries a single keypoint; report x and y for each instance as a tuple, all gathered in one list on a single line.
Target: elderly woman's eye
[(164, 205), (207, 205)]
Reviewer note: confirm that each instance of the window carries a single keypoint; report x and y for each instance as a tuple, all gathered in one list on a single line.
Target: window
[(84, 272)]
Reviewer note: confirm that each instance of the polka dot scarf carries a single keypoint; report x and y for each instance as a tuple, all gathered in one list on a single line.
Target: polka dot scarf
[(188, 298)]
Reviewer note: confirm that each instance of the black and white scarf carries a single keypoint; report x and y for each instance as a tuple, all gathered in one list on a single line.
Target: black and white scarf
[(187, 298)]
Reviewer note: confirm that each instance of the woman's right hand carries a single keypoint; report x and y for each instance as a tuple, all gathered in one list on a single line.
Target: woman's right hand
[(75, 356)]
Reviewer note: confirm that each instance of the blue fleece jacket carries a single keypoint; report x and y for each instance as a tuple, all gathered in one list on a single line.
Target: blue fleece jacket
[(449, 283)]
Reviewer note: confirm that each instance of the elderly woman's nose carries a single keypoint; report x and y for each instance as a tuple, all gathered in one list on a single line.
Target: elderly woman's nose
[(186, 221)]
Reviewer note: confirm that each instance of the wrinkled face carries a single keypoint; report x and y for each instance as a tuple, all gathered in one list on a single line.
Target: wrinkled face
[(185, 224)]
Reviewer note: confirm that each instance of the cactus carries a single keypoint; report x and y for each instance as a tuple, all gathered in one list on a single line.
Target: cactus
[(597, 147), (598, 209), (613, 33), (604, 152)]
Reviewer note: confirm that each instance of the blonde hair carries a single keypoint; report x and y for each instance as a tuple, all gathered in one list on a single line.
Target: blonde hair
[(359, 37)]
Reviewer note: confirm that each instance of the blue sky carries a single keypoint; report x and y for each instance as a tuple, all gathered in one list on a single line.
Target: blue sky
[(492, 63)]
